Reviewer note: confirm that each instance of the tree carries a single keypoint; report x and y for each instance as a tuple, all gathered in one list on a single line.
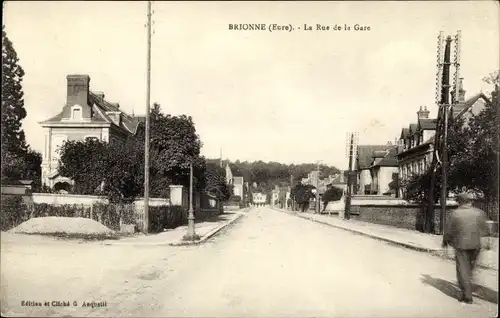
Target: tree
[(175, 143), (476, 164), (331, 194), (14, 146), (32, 168), (85, 162), (124, 174), (271, 174), (120, 164), (215, 182), (301, 194)]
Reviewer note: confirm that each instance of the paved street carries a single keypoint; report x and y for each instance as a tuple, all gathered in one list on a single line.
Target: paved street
[(267, 264)]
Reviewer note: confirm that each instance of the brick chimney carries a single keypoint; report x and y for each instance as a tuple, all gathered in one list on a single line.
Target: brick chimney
[(423, 113), (78, 90), (401, 145), (461, 91), (99, 95)]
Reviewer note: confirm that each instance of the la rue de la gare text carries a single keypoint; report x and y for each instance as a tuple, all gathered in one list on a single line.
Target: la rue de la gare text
[(273, 27)]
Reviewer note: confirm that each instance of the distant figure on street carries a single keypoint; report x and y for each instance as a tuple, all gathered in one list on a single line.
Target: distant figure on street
[(465, 227)]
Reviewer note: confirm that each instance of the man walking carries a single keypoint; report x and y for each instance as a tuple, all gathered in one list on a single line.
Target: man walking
[(466, 226)]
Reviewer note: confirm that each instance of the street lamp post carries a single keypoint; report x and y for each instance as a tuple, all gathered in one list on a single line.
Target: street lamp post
[(191, 231), (317, 207)]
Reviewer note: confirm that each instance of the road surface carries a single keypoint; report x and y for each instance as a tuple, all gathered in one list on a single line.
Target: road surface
[(267, 264)]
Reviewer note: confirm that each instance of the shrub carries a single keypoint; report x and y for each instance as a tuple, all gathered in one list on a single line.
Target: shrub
[(13, 212), (64, 210), (166, 217)]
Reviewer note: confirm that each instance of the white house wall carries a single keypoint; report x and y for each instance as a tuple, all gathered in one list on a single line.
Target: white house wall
[(428, 134), (364, 179), (385, 178)]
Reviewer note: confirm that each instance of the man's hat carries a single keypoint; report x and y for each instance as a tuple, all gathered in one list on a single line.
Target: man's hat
[(465, 196)]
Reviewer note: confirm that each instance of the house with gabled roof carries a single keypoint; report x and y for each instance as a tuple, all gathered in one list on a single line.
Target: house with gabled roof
[(235, 178), (416, 148), (363, 164), (384, 172), (84, 115), (414, 151)]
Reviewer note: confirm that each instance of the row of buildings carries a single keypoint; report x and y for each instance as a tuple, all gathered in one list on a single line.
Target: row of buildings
[(380, 169)]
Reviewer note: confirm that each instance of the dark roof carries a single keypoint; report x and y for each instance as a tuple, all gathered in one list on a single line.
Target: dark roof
[(100, 106), (460, 108), (128, 122), (234, 170), (427, 123), (412, 129), (416, 148), (379, 153), (404, 133), (365, 153), (390, 159)]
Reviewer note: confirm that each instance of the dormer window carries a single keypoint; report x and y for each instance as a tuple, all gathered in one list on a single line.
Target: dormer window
[(91, 138), (76, 113)]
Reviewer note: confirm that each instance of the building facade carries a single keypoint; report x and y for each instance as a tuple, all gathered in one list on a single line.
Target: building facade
[(85, 115), (384, 172), (259, 198), (416, 143), (363, 166), (238, 186), (415, 146)]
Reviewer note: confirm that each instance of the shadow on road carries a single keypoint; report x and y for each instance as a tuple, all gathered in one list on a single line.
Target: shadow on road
[(452, 290)]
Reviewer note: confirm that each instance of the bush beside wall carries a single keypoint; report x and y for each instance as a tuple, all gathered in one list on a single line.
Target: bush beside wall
[(15, 212), (12, 212), (166, 217)]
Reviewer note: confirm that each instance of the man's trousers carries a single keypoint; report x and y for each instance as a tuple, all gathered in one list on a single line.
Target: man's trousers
[(466, 262)]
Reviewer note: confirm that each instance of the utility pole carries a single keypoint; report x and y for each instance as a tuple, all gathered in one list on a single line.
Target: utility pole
[(292, 200), (347, 215), (146, 144), (444, 144), (441, 138), (444, 187), (429, 215)]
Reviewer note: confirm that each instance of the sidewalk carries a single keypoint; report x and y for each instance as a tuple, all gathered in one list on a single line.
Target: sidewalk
[(205, 230), (410, 239)]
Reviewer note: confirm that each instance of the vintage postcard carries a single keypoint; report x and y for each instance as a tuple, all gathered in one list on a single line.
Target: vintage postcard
[(250, 159)]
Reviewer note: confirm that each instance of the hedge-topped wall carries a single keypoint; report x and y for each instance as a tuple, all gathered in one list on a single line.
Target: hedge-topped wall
[(14, 212)]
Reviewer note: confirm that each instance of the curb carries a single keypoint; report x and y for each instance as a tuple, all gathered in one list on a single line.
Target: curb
[(201, 240), (209, 234), (431, 251)]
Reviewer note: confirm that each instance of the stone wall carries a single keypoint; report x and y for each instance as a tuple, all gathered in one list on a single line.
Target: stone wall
[(60, 199), (408, 216)]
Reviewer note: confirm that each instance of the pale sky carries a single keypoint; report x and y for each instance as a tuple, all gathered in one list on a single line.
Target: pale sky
[(283, 96)]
